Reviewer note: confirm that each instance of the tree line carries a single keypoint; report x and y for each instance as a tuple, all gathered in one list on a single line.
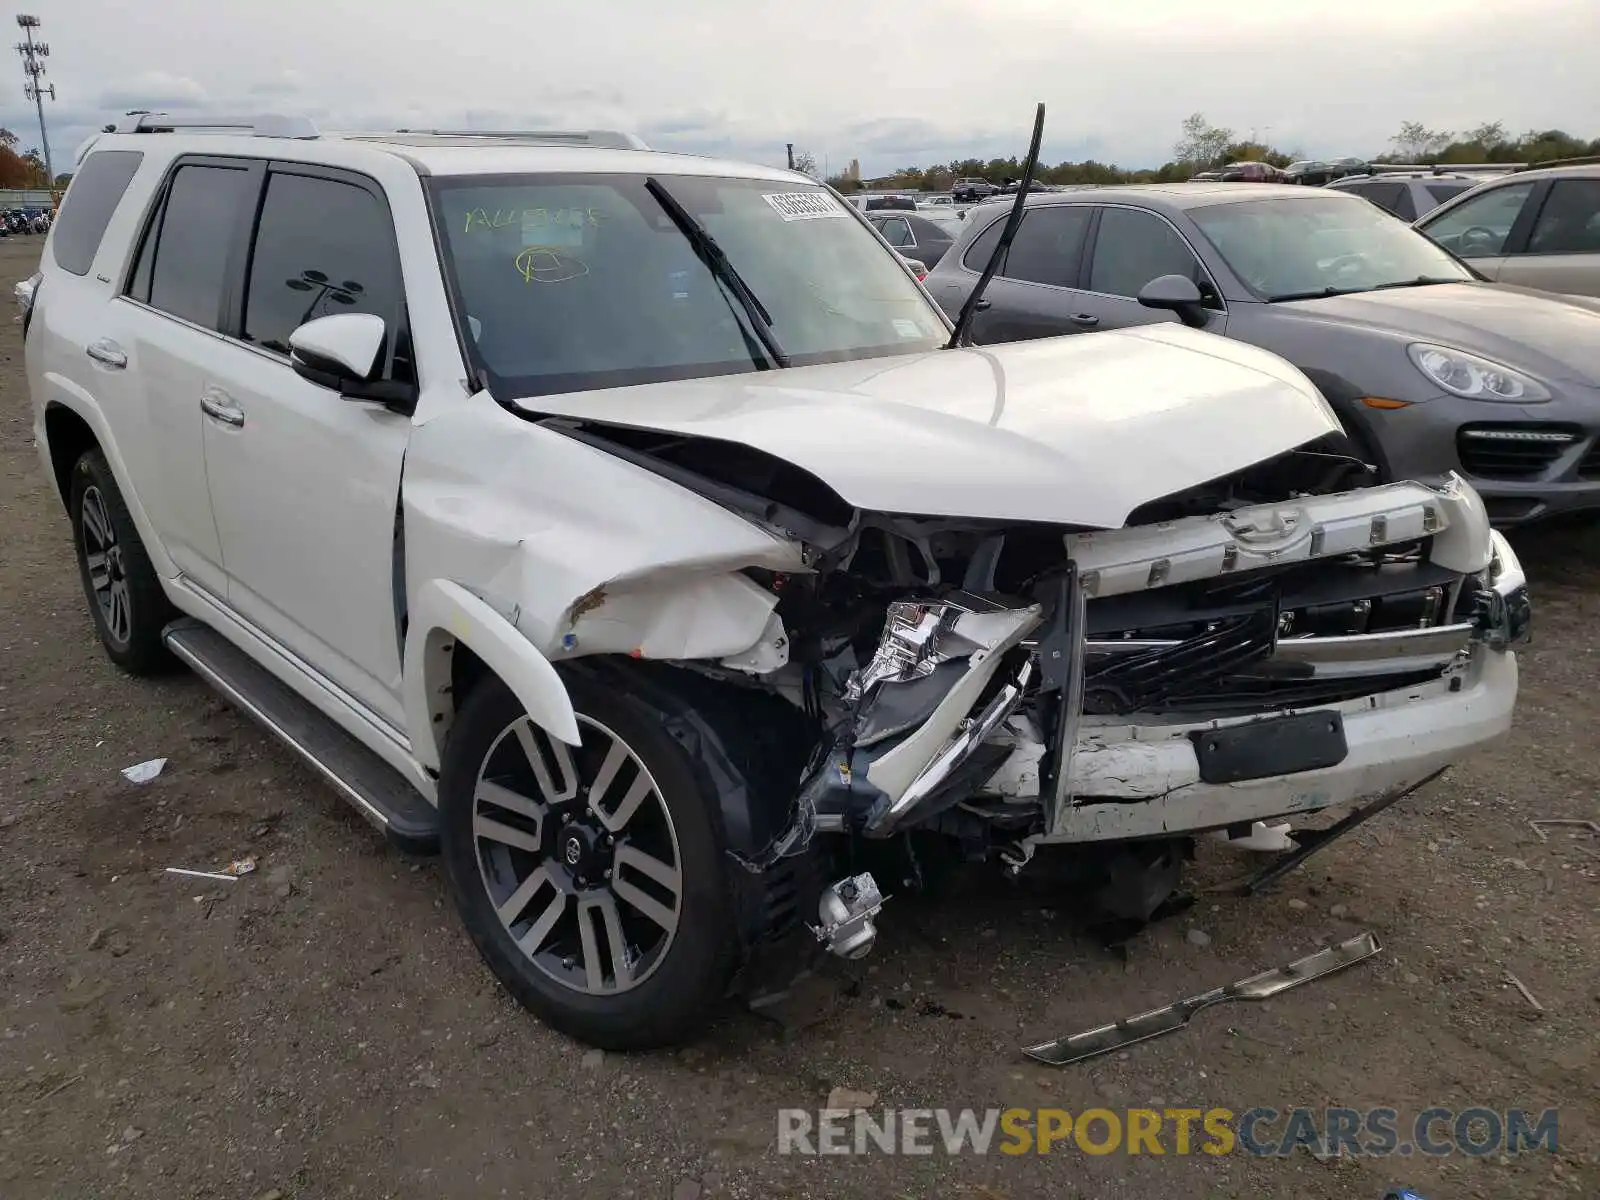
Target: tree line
[(20, 169), (1203, 146)]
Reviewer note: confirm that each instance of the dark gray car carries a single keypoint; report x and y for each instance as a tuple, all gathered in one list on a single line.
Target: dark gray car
[(1430, 368)]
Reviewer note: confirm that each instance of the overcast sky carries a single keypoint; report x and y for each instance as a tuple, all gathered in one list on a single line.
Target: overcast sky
[(892, 82)]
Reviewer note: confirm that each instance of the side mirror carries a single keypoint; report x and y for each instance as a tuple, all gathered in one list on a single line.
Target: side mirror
[(341, 353), (1178, 294)]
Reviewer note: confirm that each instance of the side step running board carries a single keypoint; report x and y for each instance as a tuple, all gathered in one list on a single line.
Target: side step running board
[(379, 792)]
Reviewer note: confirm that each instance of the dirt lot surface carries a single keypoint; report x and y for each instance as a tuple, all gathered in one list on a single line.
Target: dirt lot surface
[(324, 1028)]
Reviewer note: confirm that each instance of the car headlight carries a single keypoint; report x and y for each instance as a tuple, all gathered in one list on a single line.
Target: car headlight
[(1475, 378)]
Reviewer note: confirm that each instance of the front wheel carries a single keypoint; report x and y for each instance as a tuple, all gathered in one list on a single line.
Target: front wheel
[(590, 878)]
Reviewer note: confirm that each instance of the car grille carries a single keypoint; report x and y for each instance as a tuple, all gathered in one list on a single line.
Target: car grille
[(1214, 647), (1512, 451), (1589, 468)]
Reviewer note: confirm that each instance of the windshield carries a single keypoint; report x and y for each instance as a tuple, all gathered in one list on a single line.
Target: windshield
[(1292, 249), (572, 282)]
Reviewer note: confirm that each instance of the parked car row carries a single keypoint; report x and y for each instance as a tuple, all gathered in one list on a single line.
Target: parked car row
[(1429, 368)]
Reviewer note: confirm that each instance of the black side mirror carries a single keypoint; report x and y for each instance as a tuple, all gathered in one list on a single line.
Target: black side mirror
[(1178, 294)]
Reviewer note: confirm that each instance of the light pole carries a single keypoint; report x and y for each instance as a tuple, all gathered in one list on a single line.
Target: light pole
[(36, 89)]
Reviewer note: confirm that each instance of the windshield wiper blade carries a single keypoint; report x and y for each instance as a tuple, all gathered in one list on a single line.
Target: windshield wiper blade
[(1419, 281), (717, 262), (958, 336)]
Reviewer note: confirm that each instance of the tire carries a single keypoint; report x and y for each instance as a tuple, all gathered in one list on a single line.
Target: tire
[(126, 601), (669, 981)]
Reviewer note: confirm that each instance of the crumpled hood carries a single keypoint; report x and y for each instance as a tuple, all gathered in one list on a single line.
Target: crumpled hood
[(1556, 337), (1077, 430)]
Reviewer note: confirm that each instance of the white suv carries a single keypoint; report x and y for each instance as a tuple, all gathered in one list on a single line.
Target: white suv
[(620, 523)]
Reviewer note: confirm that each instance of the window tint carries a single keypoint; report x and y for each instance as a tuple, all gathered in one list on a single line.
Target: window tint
[(1481, 225), (191, 246), (1132, 248), (977, 255), (1569, 223), (1445, 191), (1048, 247), (897, 231), (322, 247), (86, 209)]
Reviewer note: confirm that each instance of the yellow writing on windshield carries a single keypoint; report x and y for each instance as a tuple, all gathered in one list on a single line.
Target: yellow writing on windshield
[(540, 264), (530, 218)]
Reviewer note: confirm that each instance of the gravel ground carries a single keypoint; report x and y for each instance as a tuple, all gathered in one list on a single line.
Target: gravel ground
[(324, 1028)]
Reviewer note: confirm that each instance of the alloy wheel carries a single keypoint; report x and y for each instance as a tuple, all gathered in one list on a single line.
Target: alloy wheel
[(102, 554), (579, 855)]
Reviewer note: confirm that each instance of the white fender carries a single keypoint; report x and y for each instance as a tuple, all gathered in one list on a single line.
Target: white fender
[(444, 613)]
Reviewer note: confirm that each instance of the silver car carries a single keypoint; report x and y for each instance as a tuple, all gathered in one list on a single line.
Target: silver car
[(1430, 368), (1539, 229)]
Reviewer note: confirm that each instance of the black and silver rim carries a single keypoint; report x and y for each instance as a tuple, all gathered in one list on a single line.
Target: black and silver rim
[(102, 555), (579, 855)]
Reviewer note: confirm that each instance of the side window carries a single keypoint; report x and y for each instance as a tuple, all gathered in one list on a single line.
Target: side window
[(977, 255), (1480, 226), (93, 195), (1569, 223), (1048, 247), (1132, 248), (183, 263), (322, 247), (1445, 191), (897, 231)]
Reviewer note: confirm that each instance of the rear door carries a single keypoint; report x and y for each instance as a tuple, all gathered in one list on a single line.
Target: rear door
[(1563, 247), (1131, 247), (1034, 294), (1484, 228), (304, 484), (168, 324)]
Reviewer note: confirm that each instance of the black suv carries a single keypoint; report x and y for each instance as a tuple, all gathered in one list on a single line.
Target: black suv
[(969, 191)]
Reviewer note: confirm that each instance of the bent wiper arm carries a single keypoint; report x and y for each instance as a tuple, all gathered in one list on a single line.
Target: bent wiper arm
[(958, 336), (716, 261)]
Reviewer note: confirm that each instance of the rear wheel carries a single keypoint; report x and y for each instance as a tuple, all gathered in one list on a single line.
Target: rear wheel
[(126, 601), (590, 877)]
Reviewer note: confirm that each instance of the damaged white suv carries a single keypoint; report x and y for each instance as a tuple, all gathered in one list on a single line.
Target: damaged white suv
[(620, 523)]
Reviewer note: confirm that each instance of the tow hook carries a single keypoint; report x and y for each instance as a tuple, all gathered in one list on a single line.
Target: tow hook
[(846, 909)]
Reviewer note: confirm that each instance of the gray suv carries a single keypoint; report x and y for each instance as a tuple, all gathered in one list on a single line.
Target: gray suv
[(1430, 369), (1535, 228)]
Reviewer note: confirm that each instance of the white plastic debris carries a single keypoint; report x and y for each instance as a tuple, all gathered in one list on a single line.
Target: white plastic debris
[(144, 772), (1262, 838)]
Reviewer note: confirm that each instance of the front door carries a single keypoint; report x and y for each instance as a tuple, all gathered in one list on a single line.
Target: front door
[(1033, 295), (304, 484)]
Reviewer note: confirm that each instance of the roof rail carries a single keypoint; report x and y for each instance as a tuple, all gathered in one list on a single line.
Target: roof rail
[(605, 139), (1586, 160), (261, 125)]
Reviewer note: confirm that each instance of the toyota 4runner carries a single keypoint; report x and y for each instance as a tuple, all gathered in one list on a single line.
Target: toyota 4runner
[(620, 524)]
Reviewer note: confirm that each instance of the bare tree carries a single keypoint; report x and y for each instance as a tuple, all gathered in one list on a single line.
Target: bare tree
[(1415, 140), (805, 162), (1487, 135), (1202, 142)]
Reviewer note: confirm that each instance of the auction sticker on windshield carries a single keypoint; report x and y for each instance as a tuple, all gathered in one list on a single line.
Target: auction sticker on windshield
[(802, 206)]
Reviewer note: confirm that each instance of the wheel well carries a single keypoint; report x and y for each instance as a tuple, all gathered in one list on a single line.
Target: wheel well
[(68, 435), (466, 670)]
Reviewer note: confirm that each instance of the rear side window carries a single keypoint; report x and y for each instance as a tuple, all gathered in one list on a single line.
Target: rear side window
[(1445, 191), (977, 255), (1569, 223), (322, 247), (1048, 247), (183, 263), (93, 195)]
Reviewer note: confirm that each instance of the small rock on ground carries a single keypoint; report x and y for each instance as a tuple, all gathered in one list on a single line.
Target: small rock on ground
[(849, 1099), (686, 1189), (1198, 937), (1298, 905)]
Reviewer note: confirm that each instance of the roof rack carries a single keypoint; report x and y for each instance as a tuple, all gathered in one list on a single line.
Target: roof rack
[(1435, 168), (1586, 160), (603, 139), (261, 125)]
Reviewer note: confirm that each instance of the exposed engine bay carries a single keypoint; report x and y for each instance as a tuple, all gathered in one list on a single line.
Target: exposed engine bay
[(1012, 686)]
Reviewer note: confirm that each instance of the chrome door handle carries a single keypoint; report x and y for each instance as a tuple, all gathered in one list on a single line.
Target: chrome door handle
[(215, 402), (107, 353)]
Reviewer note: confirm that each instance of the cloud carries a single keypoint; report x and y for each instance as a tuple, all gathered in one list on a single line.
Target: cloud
[(154, 90)]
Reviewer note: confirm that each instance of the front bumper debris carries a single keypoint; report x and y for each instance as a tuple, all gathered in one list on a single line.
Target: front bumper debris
[(1159, 1021)]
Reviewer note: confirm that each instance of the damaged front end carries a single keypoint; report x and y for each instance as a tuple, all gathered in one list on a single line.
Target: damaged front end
[(1268, 645)]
